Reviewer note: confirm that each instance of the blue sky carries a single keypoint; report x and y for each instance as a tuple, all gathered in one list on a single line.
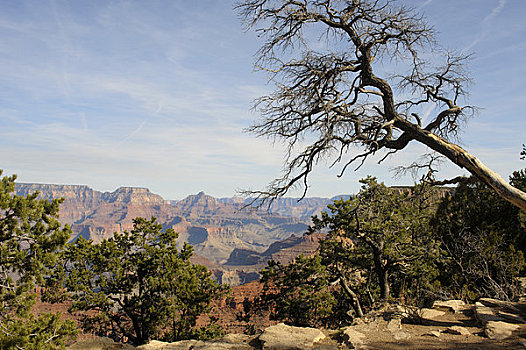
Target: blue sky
[(157, 93)]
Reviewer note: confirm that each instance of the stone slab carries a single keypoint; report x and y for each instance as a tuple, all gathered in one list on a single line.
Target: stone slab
[(499, 330), (281, 337)]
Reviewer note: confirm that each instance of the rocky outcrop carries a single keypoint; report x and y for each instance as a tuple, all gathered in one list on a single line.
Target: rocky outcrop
[(215, 229), (385, 328), (499, 318), (228, 342), (283, 251), (353, 338), (451, 305), (499, 330), (278, 337), (99, 344)]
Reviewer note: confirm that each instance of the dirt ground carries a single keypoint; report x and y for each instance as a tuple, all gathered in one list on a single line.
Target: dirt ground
[(420, 336)]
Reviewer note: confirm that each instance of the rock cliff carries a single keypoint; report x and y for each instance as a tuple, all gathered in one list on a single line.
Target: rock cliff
[(215, 228)]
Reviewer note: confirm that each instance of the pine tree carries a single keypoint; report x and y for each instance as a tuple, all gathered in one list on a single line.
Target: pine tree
[(137, 286), (30, 236)]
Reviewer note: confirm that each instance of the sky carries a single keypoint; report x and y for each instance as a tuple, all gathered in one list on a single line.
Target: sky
[(157, 94)]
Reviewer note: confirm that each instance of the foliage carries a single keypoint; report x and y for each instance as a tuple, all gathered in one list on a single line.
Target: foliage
[(30, 236), (137, 285), (483, 238), (382, 234), (523, 152), (415, 244), (298, 293), (518, 179), (377, 246), (331, 103)]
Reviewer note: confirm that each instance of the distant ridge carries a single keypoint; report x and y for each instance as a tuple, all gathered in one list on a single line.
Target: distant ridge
[(234, 243), (215, 227)]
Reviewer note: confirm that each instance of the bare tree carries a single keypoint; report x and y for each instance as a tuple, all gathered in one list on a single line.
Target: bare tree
[(329, 102)]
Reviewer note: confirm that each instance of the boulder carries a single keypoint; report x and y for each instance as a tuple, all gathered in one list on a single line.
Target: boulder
[(499, 330), (459, 330), (506, 305), (430, 314), (281, 337), (228, 342), (401, 335), (352, 338), (161, 345), (484, 314), (512, 317), (453, 305), (394, 325)]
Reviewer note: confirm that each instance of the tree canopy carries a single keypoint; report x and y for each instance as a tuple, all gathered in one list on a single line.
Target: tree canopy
[(413, 244), (137, 286), (30, 236), (333, 101), (378, 246), (383, 231), (483, 240), (299, 293)]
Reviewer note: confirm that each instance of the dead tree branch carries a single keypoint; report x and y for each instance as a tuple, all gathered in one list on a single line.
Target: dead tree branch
[(329, 104)]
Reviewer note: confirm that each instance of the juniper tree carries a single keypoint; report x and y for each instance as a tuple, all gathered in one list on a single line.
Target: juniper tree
[(136, 286), (381, 234), (30, 235), (378, 245), (298, 293), (483, 242)]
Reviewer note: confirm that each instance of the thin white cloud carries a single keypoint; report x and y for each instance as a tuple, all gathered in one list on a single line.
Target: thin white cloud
[(123, 93), (486, 25), (424, 4)]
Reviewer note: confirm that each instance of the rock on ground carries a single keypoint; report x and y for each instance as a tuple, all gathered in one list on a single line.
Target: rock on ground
[(485, 314), (499, 330), (160, 345), (228, 342), (352, 338), (430, 314), (458, 330), (281, 336), (394, 325), (435, 334), (454, 305)]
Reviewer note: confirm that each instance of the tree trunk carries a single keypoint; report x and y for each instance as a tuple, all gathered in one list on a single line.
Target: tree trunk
[(464, 159), (138, 332), (352, 295), (381, 274)]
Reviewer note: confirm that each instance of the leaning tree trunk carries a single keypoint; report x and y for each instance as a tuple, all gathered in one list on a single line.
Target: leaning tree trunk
[(465, 160), (357, 306)]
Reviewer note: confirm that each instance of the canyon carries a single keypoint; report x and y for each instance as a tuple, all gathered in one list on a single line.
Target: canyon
[(231, 239)]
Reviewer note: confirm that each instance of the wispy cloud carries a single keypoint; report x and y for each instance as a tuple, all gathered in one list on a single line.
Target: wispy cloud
[(424, 4), (156, 94), (486, 25)]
